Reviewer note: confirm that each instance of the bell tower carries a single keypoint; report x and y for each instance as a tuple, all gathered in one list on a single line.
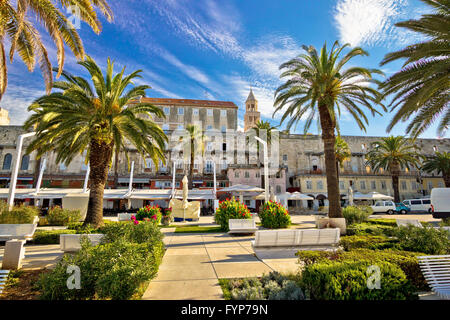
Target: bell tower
[(252, 116)]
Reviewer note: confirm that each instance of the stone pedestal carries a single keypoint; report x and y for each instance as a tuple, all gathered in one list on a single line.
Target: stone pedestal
[(14, 253), (339, 223), (322, 222)]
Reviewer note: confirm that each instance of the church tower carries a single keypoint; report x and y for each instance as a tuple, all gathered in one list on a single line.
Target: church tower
[(252, 116)]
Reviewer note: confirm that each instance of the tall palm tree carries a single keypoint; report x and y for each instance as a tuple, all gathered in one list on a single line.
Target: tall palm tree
[(16, 27), (96, 119), (196, 145), (439, 163), (421, 88), (393, 154), (342, 151), (318, 85)]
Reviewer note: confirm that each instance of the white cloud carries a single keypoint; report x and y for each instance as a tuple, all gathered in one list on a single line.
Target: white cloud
[(369, 22), (17, 100)]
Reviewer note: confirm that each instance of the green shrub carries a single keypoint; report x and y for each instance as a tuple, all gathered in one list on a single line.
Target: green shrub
[(273, 286), (274, 216), (18, 215), (366, 242), (427, 240), (405, 260), (149, 213), (348, 280), (49, 236), (118, 268), (230, 209), (370, 229), (58, 216), (356, 214), (384, 222)]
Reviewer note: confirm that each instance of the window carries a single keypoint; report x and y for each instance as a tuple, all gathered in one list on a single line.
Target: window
[(195, 112), (383, 185), (209, 127), (440, 184), (209, 166), (209, 112), (373, 185), (224, 147), (362, 185), (236, 174), (148, 163), (430, 185), (309, 184), (223, 113), (25, 162), (224, 165), (247, 174), (426, 201), (167, 111), (285, 157), (209, 146), (7, 162), (341, 185), (414, 185), (416, 202), (319, 185), (224, 128), (404, 187), (278, 189), (180, 111), (258, 174)]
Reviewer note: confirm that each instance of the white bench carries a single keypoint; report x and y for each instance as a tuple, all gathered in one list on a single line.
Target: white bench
[(242, 226), (124, 216), (15, 236), (72, 242), (436, 271), (407, 222), (3, 279), (273, 243)]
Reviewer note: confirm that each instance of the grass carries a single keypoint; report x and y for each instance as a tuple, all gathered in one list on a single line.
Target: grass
[(197, 229), (224, 284)]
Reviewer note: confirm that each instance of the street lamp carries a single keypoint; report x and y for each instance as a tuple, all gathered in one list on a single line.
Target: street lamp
[(15, 171), (266, 169)]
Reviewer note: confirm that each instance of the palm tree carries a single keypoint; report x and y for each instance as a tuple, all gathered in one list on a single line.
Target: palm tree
[(439, 163), (343, 152), (96, 119), (196, 145), (421, 87), (393, 154), (17, 28), (319, 85)]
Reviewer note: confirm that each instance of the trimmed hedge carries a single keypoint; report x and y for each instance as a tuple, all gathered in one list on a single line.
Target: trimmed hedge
[(367, 242), (427, 239), (119, 268), (367, 228), (274, 216), (405, 260), (58, 216), (49, 236), (348, 280)]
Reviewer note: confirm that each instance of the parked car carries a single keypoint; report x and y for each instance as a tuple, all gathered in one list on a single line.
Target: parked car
[(440, 203), (418, 204), (384, 207), (401, 208)]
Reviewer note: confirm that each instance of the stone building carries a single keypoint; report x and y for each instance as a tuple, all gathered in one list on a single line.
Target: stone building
[(303, 156), (252, 115)]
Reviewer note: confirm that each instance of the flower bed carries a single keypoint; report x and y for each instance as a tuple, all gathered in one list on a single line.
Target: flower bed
[(230, 209), (148, 213), (274, 216)]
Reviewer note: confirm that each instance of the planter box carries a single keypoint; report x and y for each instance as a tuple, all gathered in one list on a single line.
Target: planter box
[(72, 242)]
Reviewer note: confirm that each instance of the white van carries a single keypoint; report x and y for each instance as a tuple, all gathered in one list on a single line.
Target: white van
[(418, 204), (440, 202)]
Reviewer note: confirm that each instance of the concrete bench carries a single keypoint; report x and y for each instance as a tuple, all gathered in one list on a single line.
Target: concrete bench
[(3, 279), (272, 243), (72, 242), (242, 226), (407, 222), (15, 236), (124, 216), (436, 271)]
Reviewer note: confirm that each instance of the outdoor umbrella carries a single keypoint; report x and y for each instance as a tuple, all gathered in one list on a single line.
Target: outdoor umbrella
[(241, 188)]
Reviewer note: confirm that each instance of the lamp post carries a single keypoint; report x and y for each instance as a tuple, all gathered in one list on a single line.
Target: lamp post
[(266, 169), (15, 171)]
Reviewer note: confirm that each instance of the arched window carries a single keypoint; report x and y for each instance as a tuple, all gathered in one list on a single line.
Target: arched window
[(25, 162), (7, 162)]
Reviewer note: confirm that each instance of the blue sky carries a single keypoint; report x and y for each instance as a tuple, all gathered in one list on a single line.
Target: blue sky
[(212, 49)]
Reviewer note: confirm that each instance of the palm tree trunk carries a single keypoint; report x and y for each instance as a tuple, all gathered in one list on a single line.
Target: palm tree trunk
[(395, 185), (100, 159), (329, 141), (337, 170), (446, 180)]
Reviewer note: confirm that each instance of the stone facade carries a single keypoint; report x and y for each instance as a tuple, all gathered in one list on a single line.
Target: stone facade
[(252, 115)]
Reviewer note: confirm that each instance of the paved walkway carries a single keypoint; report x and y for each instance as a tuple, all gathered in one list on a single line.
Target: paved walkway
[(38, 256), (193, 263)]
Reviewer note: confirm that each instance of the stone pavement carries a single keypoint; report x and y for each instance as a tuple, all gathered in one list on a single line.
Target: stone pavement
[(39, 256), (193, 263)]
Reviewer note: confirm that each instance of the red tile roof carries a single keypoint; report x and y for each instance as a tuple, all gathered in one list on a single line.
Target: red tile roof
[(190, 102)]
